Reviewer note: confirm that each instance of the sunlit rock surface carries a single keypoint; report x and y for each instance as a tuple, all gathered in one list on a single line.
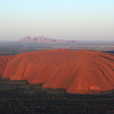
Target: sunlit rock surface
[(81, 71)]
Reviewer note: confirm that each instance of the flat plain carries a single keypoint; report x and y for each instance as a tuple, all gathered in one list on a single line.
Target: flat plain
[(22, 97)]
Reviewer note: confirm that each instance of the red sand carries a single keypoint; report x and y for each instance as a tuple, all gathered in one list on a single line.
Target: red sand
[(79, 71)]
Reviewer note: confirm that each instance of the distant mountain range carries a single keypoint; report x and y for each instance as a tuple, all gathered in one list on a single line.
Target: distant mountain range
[(45, 40)]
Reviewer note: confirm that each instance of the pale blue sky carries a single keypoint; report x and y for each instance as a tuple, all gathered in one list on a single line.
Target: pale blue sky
[(62, 19)]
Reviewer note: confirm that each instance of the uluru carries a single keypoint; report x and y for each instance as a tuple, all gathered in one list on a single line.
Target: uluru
[(76, 71)]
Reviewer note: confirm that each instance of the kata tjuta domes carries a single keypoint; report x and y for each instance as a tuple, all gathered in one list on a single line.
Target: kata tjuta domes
[(46, 40), (79, 71)]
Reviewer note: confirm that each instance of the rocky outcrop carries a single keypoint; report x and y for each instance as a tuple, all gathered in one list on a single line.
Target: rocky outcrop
[(4, 60), (81, 71), (45, 40)]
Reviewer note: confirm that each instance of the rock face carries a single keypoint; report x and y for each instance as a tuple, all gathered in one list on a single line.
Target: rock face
[(81, 71), (45, 40), (4, 60)]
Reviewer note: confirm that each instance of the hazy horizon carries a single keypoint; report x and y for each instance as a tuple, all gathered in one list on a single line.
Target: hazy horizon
[(58, 19)]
